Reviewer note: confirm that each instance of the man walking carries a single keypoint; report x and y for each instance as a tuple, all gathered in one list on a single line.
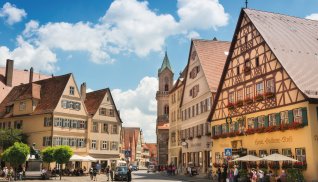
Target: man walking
[(107, 172), (236, 174)]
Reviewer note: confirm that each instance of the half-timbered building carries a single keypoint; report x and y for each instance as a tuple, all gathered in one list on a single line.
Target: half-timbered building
[(267, 98)]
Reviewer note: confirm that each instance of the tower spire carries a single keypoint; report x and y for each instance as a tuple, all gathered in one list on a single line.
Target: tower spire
[(165, 63)]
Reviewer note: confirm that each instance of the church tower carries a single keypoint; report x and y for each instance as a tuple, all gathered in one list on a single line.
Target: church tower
[(165, 77)]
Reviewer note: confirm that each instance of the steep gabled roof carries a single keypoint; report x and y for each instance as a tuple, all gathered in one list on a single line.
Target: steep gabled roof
[(51, 90), (94, 99), (165, 64), (130, 134), (180, 80), (212, 55), (294, 41)]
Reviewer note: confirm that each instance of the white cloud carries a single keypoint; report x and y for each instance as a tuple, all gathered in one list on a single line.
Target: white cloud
[(138, 107), (313, 16), (201, 14), (12, 14), (128, 27)]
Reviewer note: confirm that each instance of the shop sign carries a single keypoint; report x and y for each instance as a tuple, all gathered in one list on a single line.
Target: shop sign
[(228, 152), (272, 140)]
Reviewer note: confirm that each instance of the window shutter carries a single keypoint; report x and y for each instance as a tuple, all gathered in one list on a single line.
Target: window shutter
[(266, 121), (290, 116), (43, 141), (213, 130), (220, 129), (236, 126), (304, 115), (255, 123), (277, 118), (227, 128)]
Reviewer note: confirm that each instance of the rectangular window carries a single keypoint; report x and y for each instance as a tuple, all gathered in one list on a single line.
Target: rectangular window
[(73, 142), (105, 145), (232, 127), (47, 141), (298, 115), (300, 154), (250, 123), (260, 88), (71, 90), (81, 142), (82, 124), (74, 124), (257, 61), (249, 92), (284, 117), (111, 112), (270, 87), (22, 106), (93, 145), (47, 121), (274, 151), (65, 141), (218, 158), (252, 152), (261, 122), (95, 127), (64, 104), (271, 120), (114, 146), (231, 98), (237, 70), (224, 128), (18, 124), (66, 123), (58, 141), (240, 95), (287, 152), (193, 111), (262, 153), (102, 111), (114, 129), (105, 128)]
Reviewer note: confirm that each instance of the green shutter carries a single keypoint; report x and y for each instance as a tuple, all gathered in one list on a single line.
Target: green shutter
[(220, 129), (266, 121), (277, 118), (255, 122), (227, 128), (304, 115), (213, 130), (290, 117), (236, 126)]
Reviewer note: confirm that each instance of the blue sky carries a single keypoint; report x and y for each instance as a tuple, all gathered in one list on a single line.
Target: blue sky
[(120, 44)]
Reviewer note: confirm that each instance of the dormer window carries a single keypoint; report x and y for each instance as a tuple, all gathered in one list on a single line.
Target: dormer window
[(71, 90), (8, 109), (22, 106)]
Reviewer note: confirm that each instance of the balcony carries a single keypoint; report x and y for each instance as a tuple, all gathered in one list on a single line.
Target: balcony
[(163, 118), (162, 93)]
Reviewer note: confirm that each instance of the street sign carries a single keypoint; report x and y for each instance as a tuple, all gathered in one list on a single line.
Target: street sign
[(228, 151), (127, 153)]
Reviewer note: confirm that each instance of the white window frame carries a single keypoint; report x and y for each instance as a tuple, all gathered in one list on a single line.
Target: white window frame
[(72, 90), (22, 106), (94, 145)]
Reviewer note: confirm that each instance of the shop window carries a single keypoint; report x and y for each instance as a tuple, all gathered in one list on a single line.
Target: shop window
[(297, 115), (284, 117), (300, 154)]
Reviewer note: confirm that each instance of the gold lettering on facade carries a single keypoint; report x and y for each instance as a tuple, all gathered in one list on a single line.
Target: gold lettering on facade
[(284, 139)]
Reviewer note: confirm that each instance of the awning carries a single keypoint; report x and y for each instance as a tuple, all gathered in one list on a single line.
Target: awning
[(90, 158), (77, 158), (248, 158), (278, 157)]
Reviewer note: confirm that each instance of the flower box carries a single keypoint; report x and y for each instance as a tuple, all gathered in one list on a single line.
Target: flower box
[(250, 131), (271, 129), (300, 165), (295, 125), (259, 97), (230, 105), (287, 165), (239, 103), (248, 101), (269, 95)]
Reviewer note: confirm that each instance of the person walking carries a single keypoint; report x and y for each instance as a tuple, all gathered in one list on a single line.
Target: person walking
[(128, 175), (91, 172), (94, 174), (219, 174), (111, 173), (107, 172), (236, 174)]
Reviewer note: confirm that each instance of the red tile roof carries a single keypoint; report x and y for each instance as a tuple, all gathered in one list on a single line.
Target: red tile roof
[(131, 136), (212, 55), (19, 77), (50, 94)]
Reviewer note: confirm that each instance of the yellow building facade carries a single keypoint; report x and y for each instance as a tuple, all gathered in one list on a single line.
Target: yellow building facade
[(262, 105)]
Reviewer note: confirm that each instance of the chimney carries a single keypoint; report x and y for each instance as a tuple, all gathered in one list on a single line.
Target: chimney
[(83, 91), (31, 75), (9, 72)]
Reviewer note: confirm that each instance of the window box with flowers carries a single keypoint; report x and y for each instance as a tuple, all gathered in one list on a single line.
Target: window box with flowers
[(239, 103), (287, 165), (250, 131), (271, 129), (300, 165), (295, 125), (269, 95), (232, 134), (248, 100), (259, 97), (230, 105), (274, 165)]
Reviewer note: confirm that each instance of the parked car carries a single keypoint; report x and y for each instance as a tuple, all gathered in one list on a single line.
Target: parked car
[(133, 167), (121, 173), (151, 168)]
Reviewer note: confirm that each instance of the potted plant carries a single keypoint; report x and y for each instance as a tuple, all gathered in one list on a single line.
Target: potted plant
[(248, 100), (230, 105), (259, 97)]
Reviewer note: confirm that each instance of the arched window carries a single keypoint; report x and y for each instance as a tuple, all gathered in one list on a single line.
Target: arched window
[(166, 110), (166, 87)]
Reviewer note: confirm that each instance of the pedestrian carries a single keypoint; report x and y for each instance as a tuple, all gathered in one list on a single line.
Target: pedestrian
[(189, 171), (107, 172), (128, 175), (261, 176), (94, 174), (236, 174), (91, 172), (219, 174), (174, 170), (225, 173), (111, 173)]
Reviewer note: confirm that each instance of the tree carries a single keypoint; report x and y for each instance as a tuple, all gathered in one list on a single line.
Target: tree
[(9, 136), (48, 155), (62, 155), (16, 155)]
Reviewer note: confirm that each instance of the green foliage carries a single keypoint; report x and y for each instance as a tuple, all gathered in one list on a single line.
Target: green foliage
[(16, 154), (48, 154), (9, 136), (62, 154), (294, 175)]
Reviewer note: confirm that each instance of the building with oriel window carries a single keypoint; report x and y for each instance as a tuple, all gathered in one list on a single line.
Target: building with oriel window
[(267, 100)]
